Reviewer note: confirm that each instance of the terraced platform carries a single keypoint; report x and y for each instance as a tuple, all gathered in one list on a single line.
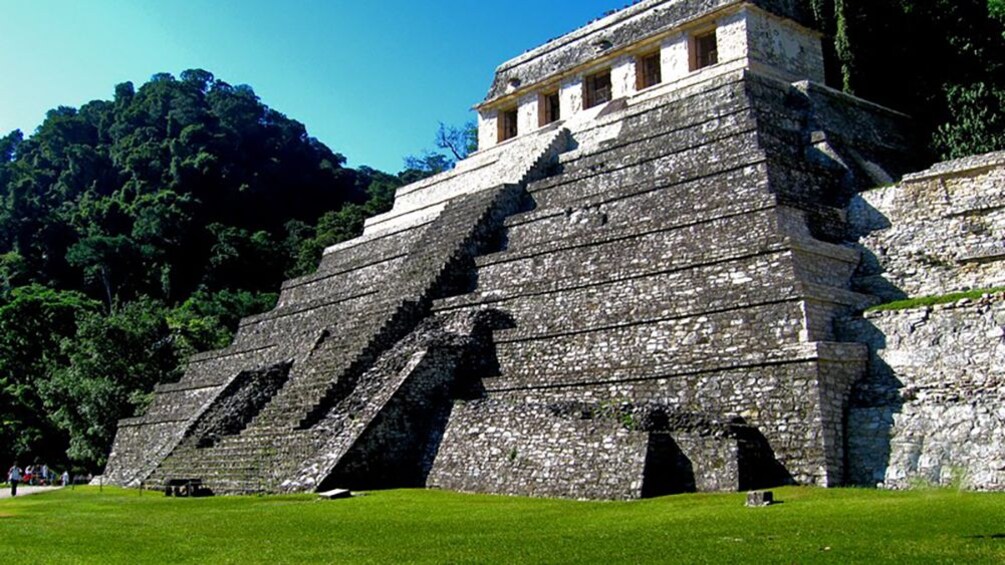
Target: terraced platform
[(633, 301)]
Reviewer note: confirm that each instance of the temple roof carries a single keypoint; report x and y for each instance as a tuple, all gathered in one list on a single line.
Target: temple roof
[(621, 29)]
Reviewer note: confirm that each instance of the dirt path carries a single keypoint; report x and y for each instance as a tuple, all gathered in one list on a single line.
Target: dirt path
[(23, 490)]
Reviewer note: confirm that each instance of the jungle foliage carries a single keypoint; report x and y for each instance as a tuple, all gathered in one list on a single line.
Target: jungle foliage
[(940, 61), (137, 230)]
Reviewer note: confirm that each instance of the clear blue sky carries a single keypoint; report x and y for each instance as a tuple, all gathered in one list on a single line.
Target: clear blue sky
[(370, 78)]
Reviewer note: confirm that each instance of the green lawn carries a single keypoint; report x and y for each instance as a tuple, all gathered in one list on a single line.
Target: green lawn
[(811, 525)]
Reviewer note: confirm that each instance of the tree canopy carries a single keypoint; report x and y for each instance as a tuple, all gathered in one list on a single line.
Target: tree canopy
[(137, 230), (940, 61)]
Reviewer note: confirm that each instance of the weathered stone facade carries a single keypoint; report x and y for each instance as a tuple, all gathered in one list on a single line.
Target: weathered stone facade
[(929, 411), (932, 408), (937, 231), (637, 298)]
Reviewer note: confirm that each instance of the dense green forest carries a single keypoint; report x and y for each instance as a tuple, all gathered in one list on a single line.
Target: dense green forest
[(137, 230), (940, 61)]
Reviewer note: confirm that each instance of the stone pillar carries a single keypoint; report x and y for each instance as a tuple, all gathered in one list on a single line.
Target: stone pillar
[(623, 77), (731, 36), (528, 117), (674, 57), (488, 128), (571, 97)]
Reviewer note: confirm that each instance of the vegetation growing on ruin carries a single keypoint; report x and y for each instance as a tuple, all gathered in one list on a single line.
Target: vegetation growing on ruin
[(810, 526), (949, 298)]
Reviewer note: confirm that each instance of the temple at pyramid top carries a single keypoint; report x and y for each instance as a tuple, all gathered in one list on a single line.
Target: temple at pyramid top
[(643, 51)]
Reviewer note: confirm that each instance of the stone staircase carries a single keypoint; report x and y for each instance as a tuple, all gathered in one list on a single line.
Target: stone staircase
[(267, 452), (326, 331)]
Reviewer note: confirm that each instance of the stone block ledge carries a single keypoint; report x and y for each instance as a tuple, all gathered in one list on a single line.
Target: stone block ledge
[(974, 164), (824, 249), (582, 240), (341, 270), (144, 421), (705, 142), (986, 255), (627, 192), (810, 88), (658, 139), (802, 354), (476, 162), (294, 309), (517, 291), (227, 352), (188, 385), (837, 296), (367, 238), (521, 335)]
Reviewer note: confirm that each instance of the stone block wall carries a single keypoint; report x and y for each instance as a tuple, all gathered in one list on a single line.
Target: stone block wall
[(937, 231), (928, 411), (932, 409), (521, 448), (777, 46)]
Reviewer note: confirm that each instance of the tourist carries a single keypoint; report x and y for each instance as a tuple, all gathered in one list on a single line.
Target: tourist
[(14, 476), (45, 475), (29, 474), (65, 478)]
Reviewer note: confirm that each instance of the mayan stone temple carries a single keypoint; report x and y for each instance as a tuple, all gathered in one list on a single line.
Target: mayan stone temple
[(650, 279)]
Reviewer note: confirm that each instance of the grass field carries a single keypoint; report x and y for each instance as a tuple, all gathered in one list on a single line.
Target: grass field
[(810, 526)]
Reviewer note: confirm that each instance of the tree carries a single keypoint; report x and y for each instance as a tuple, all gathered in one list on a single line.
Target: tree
[(459, 142), (181, 205), (113, 362), (33, 324), (208, 320), (105, 261), (936, 60)]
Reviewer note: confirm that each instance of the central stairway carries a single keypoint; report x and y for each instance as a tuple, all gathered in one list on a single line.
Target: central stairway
[(291, 436)]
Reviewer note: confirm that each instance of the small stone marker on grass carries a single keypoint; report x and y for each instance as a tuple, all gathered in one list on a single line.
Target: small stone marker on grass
[(336, 493), (759, 498)]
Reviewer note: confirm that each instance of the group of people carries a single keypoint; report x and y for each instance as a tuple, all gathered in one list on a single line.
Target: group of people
[(40, 475)]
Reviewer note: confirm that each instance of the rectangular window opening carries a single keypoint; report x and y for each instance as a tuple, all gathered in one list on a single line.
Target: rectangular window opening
[(507, 124), (704, 50), (550, 108), (597, 89), (647, 71)]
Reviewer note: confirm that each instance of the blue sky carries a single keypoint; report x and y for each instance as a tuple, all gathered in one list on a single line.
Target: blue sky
[(369, 78)]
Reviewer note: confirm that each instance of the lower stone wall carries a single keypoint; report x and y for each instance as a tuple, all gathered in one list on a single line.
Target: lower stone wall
[(932, 409), (503, 447), (796, 406)]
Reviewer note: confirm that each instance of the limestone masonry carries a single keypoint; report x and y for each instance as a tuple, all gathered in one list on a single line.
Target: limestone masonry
[(650, 279)]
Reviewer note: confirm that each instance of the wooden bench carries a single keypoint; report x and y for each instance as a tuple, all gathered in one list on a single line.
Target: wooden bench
[(184, 487)]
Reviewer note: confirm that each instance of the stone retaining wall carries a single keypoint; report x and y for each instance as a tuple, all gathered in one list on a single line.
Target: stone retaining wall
[(932, 409), (938, 231)]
